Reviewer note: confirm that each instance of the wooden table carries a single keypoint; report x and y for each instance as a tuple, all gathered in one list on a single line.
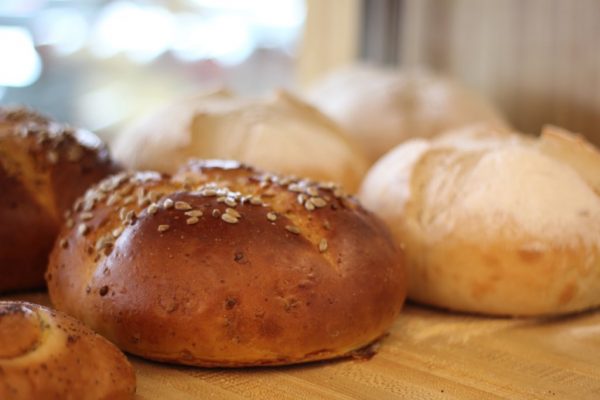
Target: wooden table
[(429, 354)]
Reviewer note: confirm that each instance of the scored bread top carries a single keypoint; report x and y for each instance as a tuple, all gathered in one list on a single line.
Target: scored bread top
[(227, 266)]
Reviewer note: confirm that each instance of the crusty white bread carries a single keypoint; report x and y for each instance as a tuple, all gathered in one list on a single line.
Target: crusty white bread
[(494, 223)]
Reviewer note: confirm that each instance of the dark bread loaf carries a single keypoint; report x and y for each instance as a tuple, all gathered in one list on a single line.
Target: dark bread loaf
[(226, 266), (46, 354), (44, 167)]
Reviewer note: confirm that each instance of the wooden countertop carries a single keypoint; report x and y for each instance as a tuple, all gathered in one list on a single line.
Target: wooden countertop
[(429, 354)]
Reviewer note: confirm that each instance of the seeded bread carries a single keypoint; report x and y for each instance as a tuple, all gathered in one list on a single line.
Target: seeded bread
[(222, 265), (44, 167), (46, 354), (279, 134), (495, 224), (382, 108)]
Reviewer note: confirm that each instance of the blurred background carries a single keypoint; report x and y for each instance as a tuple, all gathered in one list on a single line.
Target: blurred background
[(100, 63)]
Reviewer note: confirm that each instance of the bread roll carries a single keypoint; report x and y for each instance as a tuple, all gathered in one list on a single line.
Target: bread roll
[(226, 266), (509, 225), (44, 167), (45, 354), (279, 134), (381, 108)]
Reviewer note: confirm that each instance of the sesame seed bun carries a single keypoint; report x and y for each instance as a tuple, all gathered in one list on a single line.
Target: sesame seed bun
[(223, 265), (44, 167), (46, 354)]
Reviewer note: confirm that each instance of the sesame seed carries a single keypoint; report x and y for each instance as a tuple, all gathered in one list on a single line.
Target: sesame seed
[(52, 157), (194, 213), (309, 205), (318, 202), (128, 200), (230, 219), (103, 242), (271, 216), (64, 243), (88, 205), (216, 212), (163, 228), (192, 220), (85, 216), (313, 191), (152, 209), (327, 225), (301, 198), (168, 203), (209, 192), (294, 187), (323, 245), (122, 213), (293, 229), (182, 205), (269, 193), (230, 202), (154, 196), (112, 199), (74, 153), (255, 200), (117, 232), (70, 223), (232, 212), (82, 229), (142, 201), (130, 217)]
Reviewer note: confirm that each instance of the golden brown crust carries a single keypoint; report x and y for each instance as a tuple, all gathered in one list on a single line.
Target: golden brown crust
[(45, 354), (285, 271), (44, 167)]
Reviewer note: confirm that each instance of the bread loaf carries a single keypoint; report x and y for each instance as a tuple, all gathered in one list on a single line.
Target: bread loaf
[(382, 108), (507, 225), (44, 167), (279, 134), (223, 265), (45, 354)]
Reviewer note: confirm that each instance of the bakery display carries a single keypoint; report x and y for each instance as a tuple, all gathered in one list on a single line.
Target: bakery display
[(381, 108), (494, 223), (223, 265), (279, 133), (46, 354), (44, 167)]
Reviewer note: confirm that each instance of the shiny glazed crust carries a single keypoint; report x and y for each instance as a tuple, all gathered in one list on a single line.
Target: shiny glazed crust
[(226, 266), (46, 354), (44, 167)]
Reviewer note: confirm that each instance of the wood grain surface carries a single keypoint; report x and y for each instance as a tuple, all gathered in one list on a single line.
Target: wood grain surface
[(429, 354)]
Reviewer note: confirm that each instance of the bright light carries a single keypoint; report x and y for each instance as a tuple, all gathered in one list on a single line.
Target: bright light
[(104, 107), (225, 38), (21, 65), (64, 29), (142, 32)]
